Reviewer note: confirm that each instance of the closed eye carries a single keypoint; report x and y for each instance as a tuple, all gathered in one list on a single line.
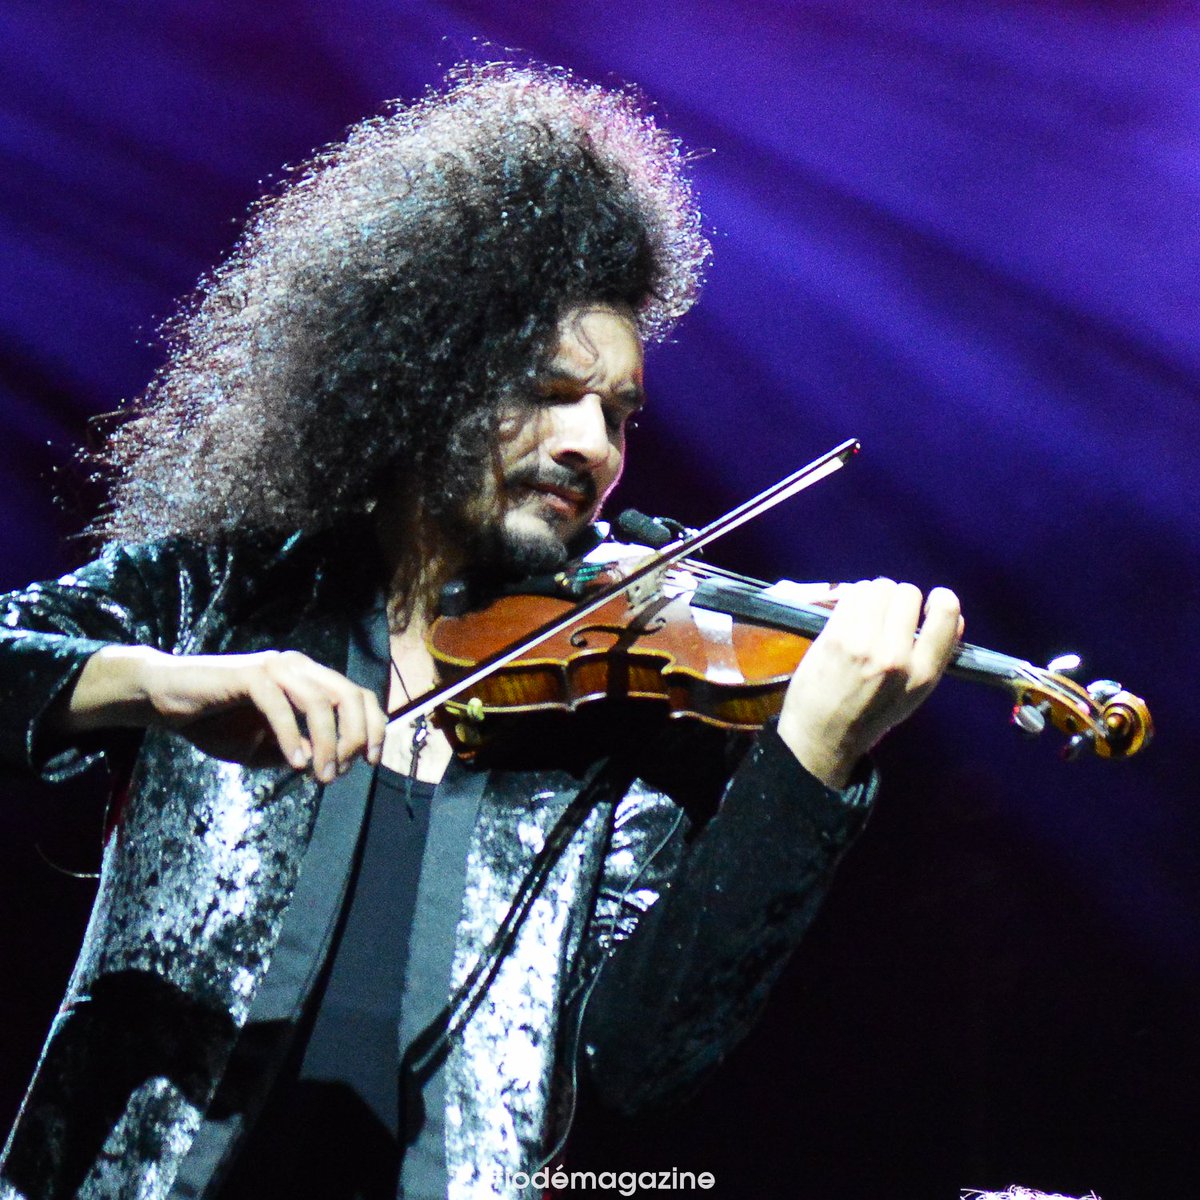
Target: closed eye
[(621, 417)]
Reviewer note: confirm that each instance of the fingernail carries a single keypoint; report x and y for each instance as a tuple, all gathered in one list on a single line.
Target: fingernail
[(327, 773), (299, 759)]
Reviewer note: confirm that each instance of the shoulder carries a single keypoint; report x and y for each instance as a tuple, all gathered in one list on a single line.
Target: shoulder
[(248, 555), (167, 583)]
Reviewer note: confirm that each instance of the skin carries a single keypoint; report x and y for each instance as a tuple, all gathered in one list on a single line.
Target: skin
[(560, 453)]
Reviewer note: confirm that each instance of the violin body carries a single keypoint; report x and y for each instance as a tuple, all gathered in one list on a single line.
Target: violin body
[(716, 649), (700, 664)]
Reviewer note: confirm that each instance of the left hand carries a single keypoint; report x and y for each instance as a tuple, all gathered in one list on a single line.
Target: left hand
[(870, 668)]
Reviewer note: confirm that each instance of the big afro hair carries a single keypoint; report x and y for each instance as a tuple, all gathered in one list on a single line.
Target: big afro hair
[(391, 294)]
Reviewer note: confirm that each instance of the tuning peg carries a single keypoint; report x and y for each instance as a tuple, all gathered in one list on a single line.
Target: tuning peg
[(1077, 743), (1030, 718), (1103, 690), (1065, 664)]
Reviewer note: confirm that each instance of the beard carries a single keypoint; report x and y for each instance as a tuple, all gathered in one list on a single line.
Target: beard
[(505, 547), (508, 554)]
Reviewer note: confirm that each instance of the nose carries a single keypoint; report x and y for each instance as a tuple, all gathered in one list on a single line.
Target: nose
[(580, 436)]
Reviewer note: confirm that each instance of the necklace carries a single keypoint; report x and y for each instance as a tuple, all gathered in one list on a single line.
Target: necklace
[(420, 736)]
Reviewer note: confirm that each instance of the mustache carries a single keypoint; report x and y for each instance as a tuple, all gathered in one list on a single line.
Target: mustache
[(554, 475)]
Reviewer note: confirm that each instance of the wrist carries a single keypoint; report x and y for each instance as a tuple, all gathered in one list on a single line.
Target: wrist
[(826, 758)]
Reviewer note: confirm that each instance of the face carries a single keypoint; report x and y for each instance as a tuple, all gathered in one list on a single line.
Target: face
[(561, 450)]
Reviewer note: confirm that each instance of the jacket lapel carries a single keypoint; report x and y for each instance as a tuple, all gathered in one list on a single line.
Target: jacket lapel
[(308, 927)]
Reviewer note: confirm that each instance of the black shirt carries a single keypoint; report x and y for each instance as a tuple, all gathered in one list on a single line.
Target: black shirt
[(335, 1124)]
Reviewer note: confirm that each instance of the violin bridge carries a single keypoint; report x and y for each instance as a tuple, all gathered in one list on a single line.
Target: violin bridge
[(646, 589)]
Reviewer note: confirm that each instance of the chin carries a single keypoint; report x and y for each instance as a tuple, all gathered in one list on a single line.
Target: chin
[(532, 546), (518, 546)]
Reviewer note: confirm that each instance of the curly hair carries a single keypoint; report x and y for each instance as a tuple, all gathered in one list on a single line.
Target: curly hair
[(377, 310)]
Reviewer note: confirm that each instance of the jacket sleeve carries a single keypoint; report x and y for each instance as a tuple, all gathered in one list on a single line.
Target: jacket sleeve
[(691, 943), (149, 595)]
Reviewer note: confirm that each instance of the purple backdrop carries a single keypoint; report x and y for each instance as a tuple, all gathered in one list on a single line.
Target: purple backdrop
[(965, 233)]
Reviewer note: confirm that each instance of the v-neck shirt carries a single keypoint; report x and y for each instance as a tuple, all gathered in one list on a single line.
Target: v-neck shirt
[(343, 1121)]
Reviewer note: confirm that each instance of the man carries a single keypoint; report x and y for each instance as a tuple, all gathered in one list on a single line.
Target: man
[(420, 364)]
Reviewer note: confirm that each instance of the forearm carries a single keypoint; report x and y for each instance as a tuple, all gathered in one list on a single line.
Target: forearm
[(114, 690), (77, 653), (828, 754), (37, 674), (255, 708)]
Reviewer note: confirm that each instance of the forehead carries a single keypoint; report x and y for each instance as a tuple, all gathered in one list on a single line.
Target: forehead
[(598, 338)]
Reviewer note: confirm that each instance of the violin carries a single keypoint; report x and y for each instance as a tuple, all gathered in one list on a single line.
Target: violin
[(709, 645)]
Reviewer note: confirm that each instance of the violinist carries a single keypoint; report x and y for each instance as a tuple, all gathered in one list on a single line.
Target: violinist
[(328, 957)]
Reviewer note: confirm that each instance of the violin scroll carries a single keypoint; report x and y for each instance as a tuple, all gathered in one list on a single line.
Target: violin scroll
[(1102, 717)]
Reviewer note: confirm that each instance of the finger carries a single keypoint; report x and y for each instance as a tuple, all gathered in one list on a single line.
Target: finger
[(817, 595), (334, 710), (376, 728), (277, 709), (351, 726), (317, 709), (899, 626), (938, 639), (361, 723), (856, 617)]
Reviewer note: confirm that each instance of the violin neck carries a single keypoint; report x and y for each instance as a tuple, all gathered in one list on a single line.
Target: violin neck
[(752, 602)]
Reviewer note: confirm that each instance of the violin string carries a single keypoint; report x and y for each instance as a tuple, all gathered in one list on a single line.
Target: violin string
[(708, 570), (1005, 668)]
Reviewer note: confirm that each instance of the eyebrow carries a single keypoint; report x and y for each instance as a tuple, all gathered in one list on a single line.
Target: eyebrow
[(634, 395)]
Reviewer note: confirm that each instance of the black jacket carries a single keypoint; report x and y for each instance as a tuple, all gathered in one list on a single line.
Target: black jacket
[(582, 858)]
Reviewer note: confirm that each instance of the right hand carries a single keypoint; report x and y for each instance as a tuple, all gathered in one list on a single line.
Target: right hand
[(256, 709)]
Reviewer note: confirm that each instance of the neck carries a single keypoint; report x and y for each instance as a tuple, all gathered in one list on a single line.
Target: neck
[(417, 561)]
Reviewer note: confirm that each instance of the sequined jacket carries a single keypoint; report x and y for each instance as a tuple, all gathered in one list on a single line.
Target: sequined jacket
[(605, 918)]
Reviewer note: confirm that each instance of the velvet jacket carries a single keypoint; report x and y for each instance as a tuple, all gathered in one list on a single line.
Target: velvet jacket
[(608, 916)]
